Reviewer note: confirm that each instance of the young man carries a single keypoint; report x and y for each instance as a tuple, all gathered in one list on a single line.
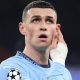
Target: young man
[(42, 38)]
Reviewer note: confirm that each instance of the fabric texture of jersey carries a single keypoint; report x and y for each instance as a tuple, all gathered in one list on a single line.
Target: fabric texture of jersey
[(30, 70)]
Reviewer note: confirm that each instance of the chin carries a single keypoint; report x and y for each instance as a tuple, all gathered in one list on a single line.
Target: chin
[(41, 48)]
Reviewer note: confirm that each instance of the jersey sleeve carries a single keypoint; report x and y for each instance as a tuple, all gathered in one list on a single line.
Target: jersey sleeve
[(4, 72), (11, 71), (59, 72), (67, 74)]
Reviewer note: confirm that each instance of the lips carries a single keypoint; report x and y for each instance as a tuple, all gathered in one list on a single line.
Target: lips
[(43, 36)]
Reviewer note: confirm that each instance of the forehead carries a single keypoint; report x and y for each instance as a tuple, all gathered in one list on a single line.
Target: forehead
[(43, 12)]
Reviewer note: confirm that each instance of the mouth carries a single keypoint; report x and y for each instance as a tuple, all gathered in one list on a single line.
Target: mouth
[(44, 36)]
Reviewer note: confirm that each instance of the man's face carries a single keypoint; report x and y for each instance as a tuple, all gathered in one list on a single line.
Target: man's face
[(40, 27)]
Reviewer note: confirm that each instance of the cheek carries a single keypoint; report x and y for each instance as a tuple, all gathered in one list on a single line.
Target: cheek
[(53, 30), (30, 32)]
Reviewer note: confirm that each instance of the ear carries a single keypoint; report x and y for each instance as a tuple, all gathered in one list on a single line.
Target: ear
[(22, 28), (58, 26)]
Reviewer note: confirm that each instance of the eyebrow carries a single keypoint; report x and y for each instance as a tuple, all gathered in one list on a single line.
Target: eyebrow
[(38, 16), (50, 17)]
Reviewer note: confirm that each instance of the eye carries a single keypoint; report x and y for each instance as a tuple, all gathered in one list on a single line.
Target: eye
[(49, 21), (35, 20)]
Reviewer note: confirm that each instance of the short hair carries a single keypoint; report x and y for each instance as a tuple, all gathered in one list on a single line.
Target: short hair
[(37, 4)]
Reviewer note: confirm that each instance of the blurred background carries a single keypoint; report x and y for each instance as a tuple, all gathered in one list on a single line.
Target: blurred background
[(68, 16)]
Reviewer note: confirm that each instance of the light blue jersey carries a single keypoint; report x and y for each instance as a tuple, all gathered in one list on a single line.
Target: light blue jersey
[(30, 70)]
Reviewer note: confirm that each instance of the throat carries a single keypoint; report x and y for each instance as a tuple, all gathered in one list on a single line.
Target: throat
[(38, 55), (41, 56)]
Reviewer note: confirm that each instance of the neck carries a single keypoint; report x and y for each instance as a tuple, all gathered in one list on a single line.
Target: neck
[(39, 56)]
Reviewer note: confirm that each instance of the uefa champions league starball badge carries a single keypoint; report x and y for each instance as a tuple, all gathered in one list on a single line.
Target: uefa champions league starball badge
[(14, 74)]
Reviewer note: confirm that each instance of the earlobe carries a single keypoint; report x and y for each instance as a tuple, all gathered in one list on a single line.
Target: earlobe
[(22, 28)]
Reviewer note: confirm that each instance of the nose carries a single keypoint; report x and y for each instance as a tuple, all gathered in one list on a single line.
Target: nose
[(43, 26), (43, 29)]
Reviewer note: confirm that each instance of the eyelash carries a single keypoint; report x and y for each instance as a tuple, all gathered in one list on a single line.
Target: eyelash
[(35, 20), (51, 21)]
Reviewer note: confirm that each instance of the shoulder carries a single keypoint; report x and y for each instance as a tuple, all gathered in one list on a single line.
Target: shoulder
[(61, 70), (12, 61), (67, 74), (12, 65)]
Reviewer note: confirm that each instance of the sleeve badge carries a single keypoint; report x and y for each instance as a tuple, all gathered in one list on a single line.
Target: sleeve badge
[(14, 74)]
